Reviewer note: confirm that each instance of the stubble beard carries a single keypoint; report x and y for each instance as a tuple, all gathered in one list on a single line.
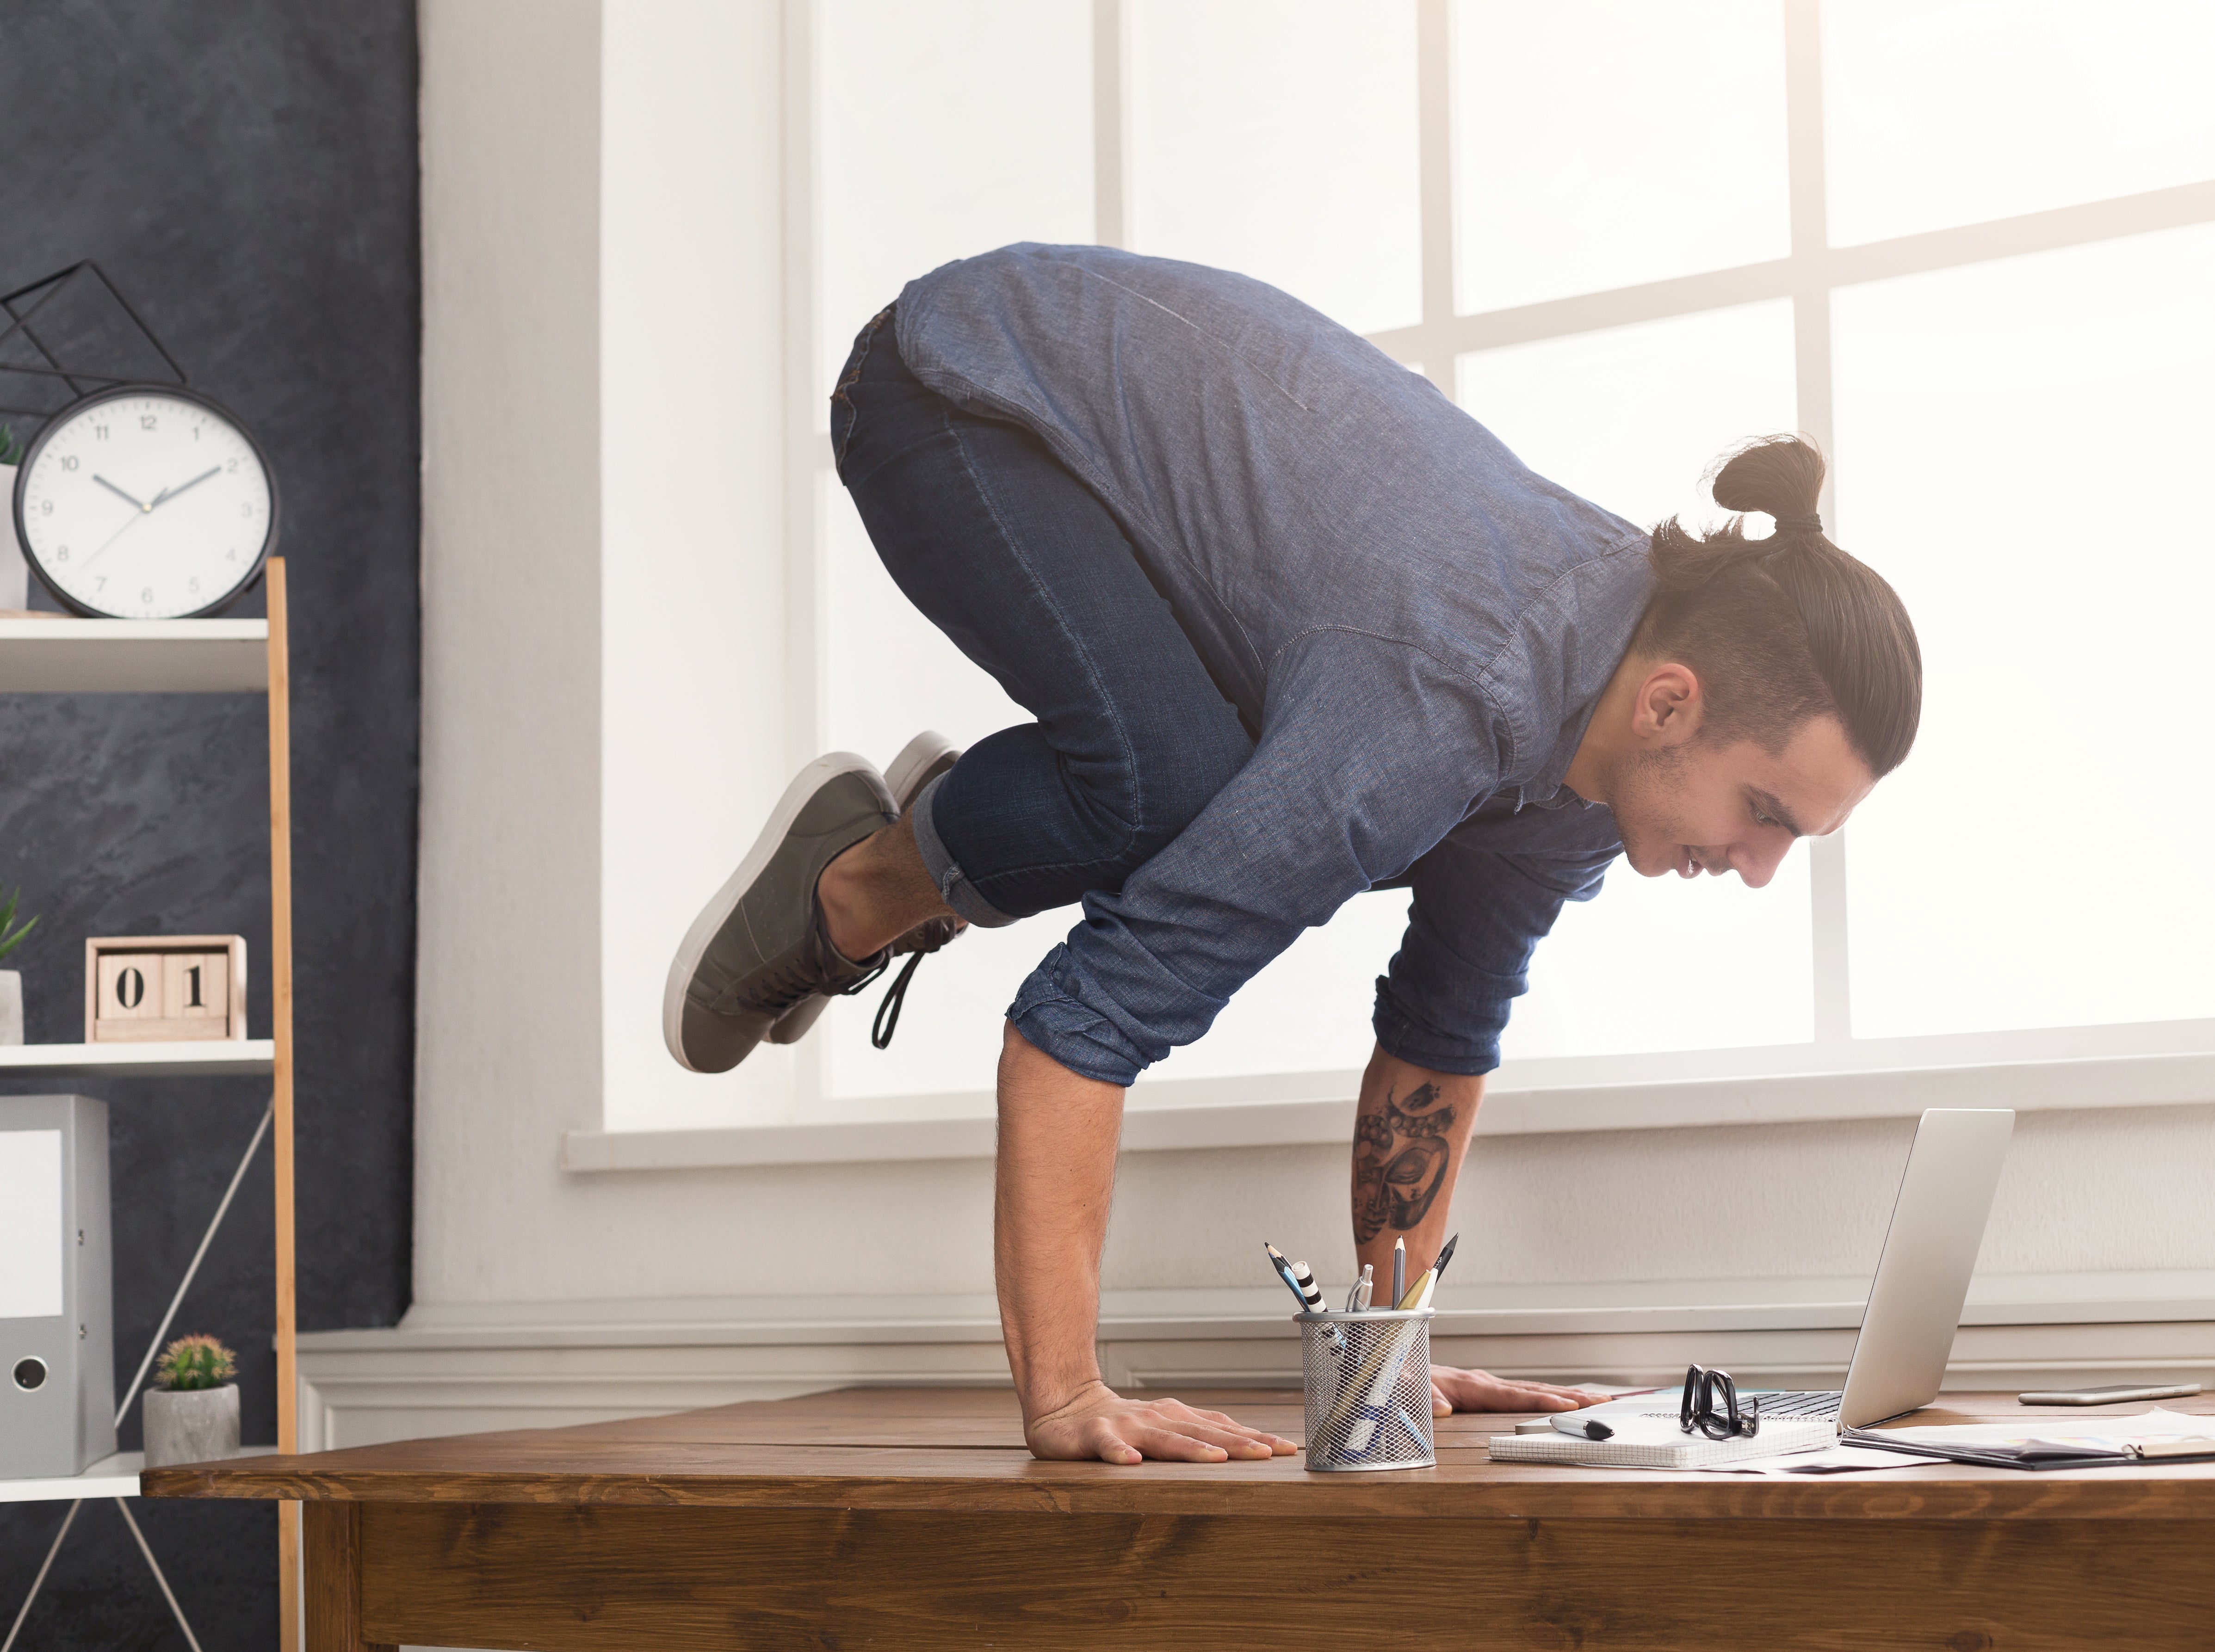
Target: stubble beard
[(1644, 812)]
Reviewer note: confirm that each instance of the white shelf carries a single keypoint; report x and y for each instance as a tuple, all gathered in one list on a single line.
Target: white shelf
[(110, 1477), (205, 1058), (67, 655)]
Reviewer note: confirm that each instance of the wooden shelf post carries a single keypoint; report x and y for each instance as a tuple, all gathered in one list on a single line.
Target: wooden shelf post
[(280, 1010)]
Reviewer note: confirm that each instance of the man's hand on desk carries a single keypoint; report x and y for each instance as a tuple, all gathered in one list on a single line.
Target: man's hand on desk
[(1455, 1390), (1056, 1171), (1100, 1423)]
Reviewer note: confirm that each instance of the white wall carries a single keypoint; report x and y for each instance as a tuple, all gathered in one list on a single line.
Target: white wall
[(508, 1019), (693, 698), (605, 676)]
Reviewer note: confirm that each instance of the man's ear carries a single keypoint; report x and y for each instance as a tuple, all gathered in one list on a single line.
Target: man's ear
[(1669, 706)]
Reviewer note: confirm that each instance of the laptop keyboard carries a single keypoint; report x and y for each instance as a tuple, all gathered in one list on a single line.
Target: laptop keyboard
[(1800, 1404), (1789, 1403)]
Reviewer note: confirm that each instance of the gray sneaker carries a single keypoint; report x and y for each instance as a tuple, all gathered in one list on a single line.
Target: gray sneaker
[(760, 947), (921, 760)]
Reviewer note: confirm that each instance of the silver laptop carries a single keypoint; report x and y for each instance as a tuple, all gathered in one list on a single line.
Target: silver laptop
[(1921, 1280)]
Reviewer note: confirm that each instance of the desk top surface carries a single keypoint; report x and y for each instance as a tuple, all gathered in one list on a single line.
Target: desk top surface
[(962, 1449)]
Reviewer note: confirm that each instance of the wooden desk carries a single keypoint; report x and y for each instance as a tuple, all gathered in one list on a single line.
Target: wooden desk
[(913, 1518)]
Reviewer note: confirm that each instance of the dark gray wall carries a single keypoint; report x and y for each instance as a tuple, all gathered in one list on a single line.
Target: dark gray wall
[(246, 171)]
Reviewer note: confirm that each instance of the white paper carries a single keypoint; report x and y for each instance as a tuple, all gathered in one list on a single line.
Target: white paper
[(2158, 1424), (1837, 1460), (1657, 1435), (30, 1224), (1848, 1458)]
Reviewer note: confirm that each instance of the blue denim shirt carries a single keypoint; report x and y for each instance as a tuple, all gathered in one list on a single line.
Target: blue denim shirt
[(1413, 624)]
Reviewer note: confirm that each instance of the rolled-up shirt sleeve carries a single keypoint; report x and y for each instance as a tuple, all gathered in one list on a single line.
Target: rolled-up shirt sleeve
[(1377, 759), (1479, 910)]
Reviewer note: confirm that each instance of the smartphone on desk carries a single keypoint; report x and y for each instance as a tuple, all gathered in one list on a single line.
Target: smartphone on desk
[(2115, 1396)]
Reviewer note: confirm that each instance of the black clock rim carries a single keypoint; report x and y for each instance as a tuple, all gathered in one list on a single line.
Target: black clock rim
[(119, 392)]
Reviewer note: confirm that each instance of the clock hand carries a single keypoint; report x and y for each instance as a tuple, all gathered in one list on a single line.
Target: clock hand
[(120, 495), (128, 525), (172, 493), (144, 509)]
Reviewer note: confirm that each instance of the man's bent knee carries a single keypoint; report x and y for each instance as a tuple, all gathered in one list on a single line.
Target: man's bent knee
[(1172, 792)]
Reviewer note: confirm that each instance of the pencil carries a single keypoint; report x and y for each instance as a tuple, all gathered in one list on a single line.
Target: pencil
[(1399, 1269), (1361, 1401), (1285, 1272)]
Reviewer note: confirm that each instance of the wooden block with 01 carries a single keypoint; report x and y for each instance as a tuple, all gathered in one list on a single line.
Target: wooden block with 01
[(159, 988)]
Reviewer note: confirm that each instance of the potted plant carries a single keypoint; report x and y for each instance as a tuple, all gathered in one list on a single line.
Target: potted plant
[(11, 981), (193, 1417)]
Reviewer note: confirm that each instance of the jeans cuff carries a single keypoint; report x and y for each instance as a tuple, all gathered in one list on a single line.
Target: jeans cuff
[(953, 886)]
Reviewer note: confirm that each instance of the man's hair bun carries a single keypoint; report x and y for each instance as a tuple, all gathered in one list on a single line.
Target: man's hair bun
[(1781, 476), (1788, 626)]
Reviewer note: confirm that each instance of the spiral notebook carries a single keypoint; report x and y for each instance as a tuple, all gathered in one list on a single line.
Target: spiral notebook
[(1657, 1443)]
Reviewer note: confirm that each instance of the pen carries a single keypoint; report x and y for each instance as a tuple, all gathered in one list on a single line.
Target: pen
[(1357, 1298), (1445, 1256), (1380, 1372), (1399, 1268), (1285, 1272), (1302, 1284)]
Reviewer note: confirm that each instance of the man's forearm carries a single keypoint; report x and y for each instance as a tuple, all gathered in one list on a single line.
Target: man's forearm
[(1410, 1136), (1053, 1183)]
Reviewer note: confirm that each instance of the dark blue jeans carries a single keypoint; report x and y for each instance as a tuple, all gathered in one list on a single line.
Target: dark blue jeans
[(1017, 562)]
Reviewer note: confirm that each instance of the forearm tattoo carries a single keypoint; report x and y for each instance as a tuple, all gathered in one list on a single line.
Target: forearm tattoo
[(1400, 1161)]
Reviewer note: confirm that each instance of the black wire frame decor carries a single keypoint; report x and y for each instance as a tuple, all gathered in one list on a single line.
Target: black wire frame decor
[(28, 302)]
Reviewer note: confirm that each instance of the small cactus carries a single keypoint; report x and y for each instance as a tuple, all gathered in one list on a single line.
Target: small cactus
[(195, 1362), (11, 450)]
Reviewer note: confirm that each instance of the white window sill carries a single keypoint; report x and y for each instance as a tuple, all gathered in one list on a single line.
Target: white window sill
[(1311, 1108), (1591, 1308)]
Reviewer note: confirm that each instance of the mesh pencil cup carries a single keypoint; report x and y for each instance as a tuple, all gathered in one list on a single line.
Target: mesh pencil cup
[(1367, 1380)]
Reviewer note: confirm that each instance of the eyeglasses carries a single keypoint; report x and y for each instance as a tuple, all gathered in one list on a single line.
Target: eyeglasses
[(1704, 1392)]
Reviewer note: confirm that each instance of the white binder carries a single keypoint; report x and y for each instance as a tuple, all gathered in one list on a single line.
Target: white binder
[(57, 1338)]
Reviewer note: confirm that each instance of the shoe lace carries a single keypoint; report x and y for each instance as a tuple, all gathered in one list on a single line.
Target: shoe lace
[(928, 938), (888, 1012)]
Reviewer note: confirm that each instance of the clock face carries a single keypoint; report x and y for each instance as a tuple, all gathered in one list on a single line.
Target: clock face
[(144, 503)]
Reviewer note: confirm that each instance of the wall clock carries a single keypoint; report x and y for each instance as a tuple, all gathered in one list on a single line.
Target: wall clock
[(145, 501)]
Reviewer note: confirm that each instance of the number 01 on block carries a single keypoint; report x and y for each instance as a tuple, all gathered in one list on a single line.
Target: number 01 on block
[(159, 988)]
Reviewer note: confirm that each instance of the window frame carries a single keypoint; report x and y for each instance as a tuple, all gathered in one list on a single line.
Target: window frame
[(1834, 1074)]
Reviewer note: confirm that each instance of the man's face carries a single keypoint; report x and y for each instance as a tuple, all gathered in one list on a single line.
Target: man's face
[(1696, 807)]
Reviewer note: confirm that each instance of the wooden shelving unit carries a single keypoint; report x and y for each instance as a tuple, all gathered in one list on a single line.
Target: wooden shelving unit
[(73, 655)]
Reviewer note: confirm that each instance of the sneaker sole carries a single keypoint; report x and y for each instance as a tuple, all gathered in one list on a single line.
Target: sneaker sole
[(906, 773), (717, 912), (904, 777)]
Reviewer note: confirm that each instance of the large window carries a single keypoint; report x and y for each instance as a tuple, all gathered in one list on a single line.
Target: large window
[(1967, 246)]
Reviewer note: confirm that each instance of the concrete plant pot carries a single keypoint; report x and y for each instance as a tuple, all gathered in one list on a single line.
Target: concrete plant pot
[(14, 572), (11, 1006), (190, 1425)]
